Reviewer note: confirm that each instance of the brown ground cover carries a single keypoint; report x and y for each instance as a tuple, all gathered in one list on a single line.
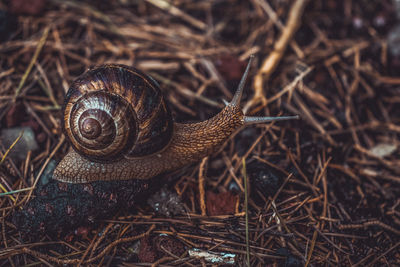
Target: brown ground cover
[(322, 191)]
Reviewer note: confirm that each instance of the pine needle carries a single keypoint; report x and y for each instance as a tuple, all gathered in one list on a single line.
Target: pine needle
[(11, 147), (41, 43), (4, 158), (246, 211)]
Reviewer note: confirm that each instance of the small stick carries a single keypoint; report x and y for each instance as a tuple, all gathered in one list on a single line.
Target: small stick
[(271, 62), (164, 5), (201, 186)]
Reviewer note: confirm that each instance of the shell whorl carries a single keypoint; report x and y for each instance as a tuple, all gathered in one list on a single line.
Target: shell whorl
[(113, 111)]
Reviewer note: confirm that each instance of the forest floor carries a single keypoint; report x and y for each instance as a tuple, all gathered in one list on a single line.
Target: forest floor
[(323, 190)]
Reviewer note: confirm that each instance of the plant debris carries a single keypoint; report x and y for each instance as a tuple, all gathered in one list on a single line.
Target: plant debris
[(323, 190)]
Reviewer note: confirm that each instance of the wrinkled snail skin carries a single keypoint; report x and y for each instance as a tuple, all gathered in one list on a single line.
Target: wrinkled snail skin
[(120, 128)]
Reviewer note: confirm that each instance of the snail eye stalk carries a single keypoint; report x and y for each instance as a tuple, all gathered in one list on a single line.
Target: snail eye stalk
[(238, 95), (239, 91), (255, 120)]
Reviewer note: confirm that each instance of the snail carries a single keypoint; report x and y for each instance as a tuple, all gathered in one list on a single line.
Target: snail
[(120, 128)]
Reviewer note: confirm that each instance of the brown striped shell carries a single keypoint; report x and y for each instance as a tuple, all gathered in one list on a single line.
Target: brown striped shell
[(113, 111)]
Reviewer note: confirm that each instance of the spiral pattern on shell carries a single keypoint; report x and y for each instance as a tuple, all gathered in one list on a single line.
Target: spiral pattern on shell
[(113, 111)]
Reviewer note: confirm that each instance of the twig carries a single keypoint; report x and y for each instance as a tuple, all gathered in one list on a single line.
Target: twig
[(164, 5), (271, 62), (368, 224), (201, 186)]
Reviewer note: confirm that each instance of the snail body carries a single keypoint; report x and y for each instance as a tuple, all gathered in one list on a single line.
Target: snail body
[(121, 128)]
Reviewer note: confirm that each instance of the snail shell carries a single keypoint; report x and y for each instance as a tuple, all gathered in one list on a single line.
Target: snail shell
[(120, 128), (114, 111)]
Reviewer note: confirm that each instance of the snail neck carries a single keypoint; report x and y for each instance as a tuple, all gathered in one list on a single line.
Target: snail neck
[(195, 141), (190, 143)]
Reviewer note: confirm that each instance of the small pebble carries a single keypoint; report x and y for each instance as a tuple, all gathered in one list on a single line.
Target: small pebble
[(382, 150), (393, 40), (166, 203), (380, 21), (21, 148), (358, 23), (47, 173), (263, 178)]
